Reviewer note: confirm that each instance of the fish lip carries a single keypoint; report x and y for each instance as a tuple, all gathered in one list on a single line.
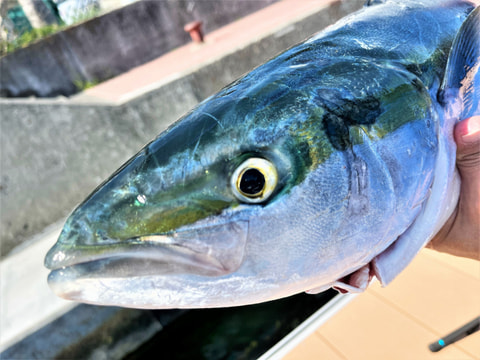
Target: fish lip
[(61, 256), (210, 250)]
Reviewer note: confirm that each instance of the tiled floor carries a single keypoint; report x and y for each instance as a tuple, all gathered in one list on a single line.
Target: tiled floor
[(435, 295)]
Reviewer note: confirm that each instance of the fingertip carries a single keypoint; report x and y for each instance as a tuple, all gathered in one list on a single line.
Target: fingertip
[(467, 132)]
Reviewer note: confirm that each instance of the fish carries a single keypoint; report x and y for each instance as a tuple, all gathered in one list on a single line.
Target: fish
[(328, 165)]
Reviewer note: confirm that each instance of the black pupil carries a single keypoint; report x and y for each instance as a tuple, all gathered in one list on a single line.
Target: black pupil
[(252, 182)]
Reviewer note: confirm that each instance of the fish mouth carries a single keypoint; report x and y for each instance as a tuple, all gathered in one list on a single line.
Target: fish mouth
[(208, 250)]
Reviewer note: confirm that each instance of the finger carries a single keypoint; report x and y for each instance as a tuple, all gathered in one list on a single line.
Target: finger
[(467, 137)]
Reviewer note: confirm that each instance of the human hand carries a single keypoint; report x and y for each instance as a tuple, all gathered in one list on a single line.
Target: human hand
[(460, 235)]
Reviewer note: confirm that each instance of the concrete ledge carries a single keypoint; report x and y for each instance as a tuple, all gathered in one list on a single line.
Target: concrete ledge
[(111, 44)]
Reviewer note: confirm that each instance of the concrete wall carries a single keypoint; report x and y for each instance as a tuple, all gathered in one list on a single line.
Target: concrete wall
[(111, 44), (54, 152)]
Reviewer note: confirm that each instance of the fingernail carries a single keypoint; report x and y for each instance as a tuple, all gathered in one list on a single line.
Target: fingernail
[(473, 130)]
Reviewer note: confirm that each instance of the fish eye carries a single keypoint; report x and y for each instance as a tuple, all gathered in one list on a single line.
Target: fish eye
[(254, 180)]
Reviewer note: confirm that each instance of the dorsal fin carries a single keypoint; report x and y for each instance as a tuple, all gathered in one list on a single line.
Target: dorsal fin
[(461, 84)]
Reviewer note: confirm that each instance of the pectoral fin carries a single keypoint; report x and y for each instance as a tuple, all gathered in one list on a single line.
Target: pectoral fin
[(355, 282)]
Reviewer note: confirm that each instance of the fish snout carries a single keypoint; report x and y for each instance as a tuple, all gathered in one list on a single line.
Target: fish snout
[(211, 250)]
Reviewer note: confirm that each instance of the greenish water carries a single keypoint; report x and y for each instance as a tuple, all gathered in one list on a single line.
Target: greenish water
[(231, 333)]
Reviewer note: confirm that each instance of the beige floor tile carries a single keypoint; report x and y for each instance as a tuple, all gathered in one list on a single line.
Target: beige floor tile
[(369, 328), (467, 266), (436, 295)]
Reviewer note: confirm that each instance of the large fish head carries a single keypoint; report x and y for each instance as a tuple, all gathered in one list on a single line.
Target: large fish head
[(247, 198)]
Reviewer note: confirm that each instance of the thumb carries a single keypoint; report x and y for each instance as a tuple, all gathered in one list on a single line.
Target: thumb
[(467, 137)]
